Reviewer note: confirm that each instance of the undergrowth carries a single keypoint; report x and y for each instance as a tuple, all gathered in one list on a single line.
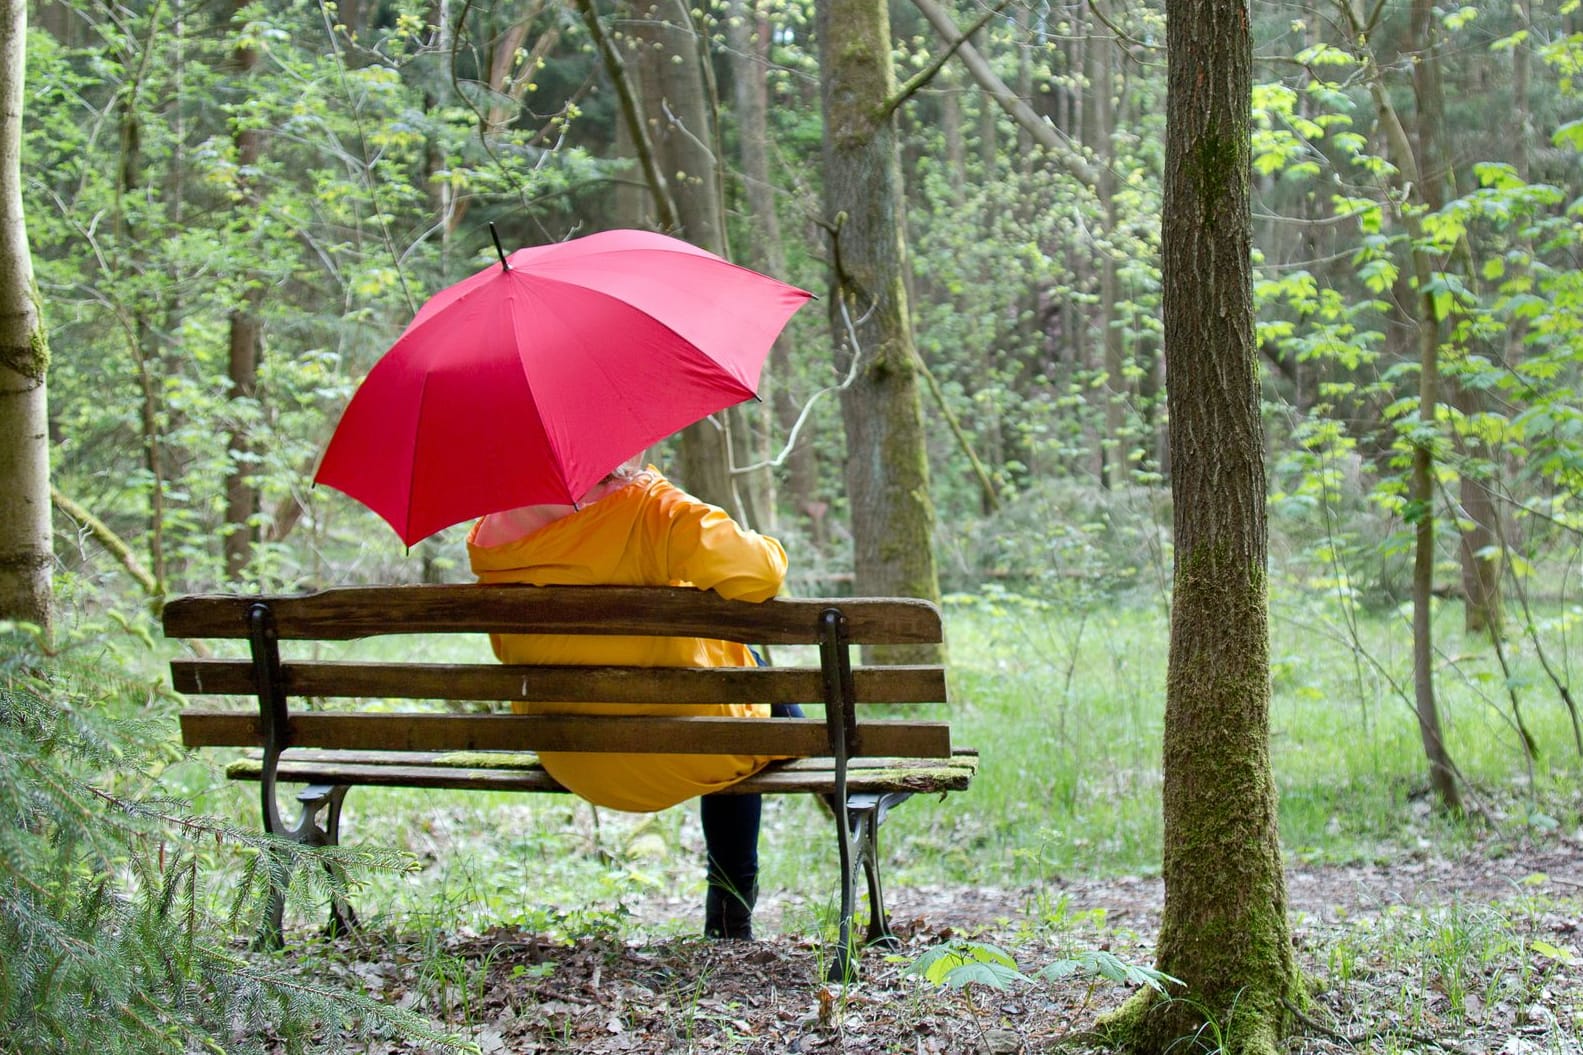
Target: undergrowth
[(111, 927)]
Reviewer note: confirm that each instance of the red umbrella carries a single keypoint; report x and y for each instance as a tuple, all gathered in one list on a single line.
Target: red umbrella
[(531, 380)]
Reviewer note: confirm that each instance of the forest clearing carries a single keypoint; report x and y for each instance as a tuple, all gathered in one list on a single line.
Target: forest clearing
[(1202, 377), (526, 923)]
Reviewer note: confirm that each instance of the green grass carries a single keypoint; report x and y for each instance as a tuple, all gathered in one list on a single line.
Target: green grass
[(1472, 956), (1066, 705)]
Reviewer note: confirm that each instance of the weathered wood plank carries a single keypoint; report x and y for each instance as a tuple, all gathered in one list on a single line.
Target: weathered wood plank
[(475, 681), (803, 775), (355, 612), (510, 732), (308, 756)]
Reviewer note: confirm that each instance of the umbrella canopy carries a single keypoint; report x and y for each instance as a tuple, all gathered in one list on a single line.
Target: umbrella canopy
[(528, 382)]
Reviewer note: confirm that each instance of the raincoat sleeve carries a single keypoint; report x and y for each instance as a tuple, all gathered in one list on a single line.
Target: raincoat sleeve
[(707, 548)]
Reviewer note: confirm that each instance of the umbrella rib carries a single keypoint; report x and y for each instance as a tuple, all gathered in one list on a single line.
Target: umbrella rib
[(538, 411)]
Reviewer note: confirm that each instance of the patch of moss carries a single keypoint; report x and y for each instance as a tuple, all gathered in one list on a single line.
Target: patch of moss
[(489, 760)]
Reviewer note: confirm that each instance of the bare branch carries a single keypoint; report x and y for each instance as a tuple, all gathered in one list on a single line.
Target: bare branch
[(916, 82)]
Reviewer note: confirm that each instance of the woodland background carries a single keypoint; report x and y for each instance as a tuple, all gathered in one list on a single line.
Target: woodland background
[(233, 209)]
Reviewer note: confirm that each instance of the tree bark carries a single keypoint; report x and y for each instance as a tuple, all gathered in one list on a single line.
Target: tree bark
[(241, 488), (1481, 579), (1224, 931), (26, 550), (679, 116), (747, 37), (147, 361), (887, 469)]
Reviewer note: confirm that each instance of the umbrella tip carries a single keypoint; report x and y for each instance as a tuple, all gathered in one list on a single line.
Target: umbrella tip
[(495, 235)]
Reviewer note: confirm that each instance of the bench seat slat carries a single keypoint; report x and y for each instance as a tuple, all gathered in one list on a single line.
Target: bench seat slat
[(349, 613), (611, 684), (512, 732), (527, 759), (437, 772)]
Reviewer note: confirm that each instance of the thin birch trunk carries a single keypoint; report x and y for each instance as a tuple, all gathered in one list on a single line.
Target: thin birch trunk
[(26, 550)]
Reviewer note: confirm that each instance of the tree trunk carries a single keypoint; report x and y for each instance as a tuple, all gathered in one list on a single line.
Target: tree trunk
[(747, 37), (1113, 450), (679, 112), (1479, 547), (1224, 931), (1480, 571), (951, 129), (26, 552), (147, 361), (1421, 476), (241, 489), (887, 469), (1421, 500)]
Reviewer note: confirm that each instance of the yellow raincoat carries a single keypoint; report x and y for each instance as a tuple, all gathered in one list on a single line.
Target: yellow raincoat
[(647, 533)]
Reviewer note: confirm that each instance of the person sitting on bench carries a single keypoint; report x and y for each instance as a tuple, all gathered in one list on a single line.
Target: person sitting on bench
[(637, 529)]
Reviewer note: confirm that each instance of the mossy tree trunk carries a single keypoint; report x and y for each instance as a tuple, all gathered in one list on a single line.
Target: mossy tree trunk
[(26, 553), (887, 471), (679, 113), (1224, 931)]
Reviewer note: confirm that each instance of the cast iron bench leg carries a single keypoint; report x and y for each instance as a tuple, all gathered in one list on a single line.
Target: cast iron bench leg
[(343, 920), (309, 832), (868, 813), (864, 814), (844, 967)]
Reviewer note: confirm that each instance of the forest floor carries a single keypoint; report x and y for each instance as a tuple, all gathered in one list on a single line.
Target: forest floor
[(1482, 953)]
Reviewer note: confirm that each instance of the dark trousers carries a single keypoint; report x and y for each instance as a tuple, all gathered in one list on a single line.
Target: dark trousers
[(731, 833)]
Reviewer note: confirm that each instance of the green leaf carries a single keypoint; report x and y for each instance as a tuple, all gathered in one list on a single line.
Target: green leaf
[(1112, 968), (1554, 952), (994, 975), (958, 963), (1569, 135)]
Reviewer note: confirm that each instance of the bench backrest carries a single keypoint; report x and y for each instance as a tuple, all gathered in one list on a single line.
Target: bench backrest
[(363, 612)]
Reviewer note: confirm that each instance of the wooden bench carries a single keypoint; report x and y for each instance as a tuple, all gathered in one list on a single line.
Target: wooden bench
[(869, 764)]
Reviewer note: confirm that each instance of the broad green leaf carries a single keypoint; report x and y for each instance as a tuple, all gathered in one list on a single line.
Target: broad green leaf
[(994, 975), (1569, 135)]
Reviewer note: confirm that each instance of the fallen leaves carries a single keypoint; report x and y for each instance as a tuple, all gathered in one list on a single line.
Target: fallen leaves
[(635, 988)]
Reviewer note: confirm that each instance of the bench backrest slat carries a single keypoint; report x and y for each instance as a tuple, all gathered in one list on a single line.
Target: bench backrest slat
[(325, 679), (346, 614), (507, 732), (349, 613)]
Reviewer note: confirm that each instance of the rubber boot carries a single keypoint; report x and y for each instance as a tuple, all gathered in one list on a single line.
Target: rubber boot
[(728, 914)]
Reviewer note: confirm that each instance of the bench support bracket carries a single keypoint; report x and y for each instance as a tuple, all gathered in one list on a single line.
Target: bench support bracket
[(306, 830), (865, 813)]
